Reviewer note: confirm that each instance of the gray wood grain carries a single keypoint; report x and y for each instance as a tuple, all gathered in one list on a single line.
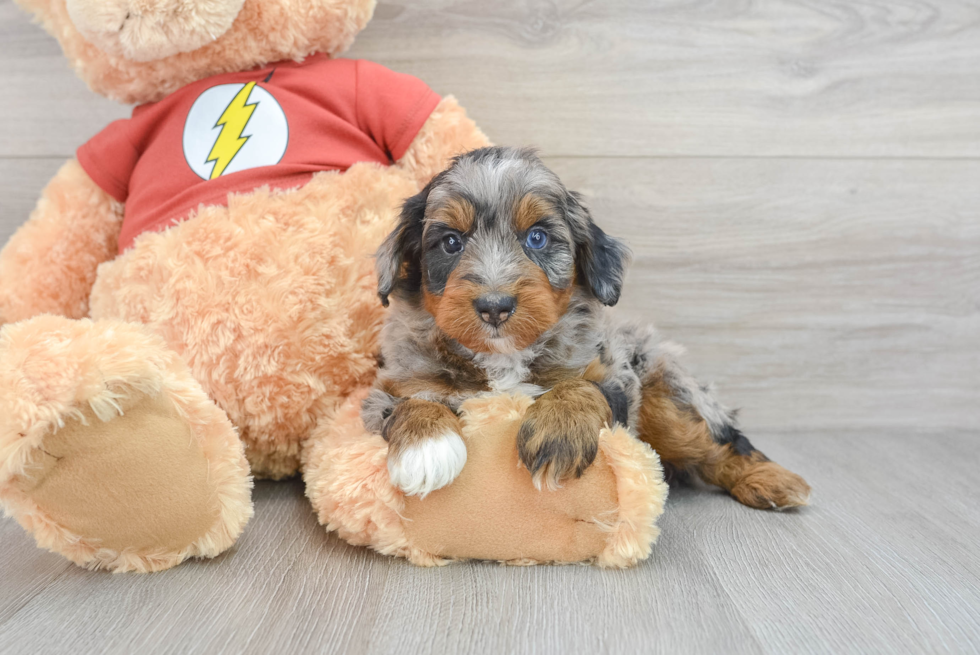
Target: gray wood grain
[(877, 564), (776, 77), (800, 183), (628, 78), (825, 293)]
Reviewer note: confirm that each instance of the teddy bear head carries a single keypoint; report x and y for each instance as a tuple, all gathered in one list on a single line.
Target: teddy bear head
[(138, 51)]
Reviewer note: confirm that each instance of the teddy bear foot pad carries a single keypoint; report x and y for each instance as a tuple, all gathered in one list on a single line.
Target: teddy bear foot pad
[(115, 458)]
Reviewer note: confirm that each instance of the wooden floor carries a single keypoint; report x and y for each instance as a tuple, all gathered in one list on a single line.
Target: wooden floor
[(800, 181)]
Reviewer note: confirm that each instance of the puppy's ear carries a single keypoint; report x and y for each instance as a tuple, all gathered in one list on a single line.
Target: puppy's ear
[(602, 260), (399, 259)]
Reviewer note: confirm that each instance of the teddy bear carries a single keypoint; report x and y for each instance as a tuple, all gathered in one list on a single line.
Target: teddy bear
[(193, 303)]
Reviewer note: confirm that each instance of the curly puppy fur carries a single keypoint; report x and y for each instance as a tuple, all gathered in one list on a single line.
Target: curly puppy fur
[(497, 279)]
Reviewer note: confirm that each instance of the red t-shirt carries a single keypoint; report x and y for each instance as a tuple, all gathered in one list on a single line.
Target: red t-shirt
[(276, 126)]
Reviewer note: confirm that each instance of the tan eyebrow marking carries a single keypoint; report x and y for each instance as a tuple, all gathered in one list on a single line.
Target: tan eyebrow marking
[(530, 210), (457, 213)]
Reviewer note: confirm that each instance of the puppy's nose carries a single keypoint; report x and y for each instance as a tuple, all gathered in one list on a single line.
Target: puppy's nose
[(494, 309)]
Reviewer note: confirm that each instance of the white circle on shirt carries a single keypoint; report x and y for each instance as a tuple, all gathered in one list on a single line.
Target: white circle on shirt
[(234, 127)]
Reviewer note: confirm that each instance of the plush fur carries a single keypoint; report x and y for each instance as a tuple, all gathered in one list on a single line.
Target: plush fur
[(148, 30), (346, 474), (75, 223), (268, 303), (243, 293), (347, 481), (51, 368), (263, 31)]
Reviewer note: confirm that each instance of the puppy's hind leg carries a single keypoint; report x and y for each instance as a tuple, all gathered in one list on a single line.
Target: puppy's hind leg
[(690, 430)]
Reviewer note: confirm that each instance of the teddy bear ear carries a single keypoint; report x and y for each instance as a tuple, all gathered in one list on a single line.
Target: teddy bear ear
[(399, 259)]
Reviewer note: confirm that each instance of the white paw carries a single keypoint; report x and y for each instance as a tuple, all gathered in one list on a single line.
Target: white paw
[(428, 465)]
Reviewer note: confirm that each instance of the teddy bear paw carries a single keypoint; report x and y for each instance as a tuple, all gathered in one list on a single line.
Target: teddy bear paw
[(111, 454)]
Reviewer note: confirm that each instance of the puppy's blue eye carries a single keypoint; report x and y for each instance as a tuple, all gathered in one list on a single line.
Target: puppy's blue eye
[(536, 239), (452, 243)]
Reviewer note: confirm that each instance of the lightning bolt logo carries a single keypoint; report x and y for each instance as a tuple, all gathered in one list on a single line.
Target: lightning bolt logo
[(232, 122)]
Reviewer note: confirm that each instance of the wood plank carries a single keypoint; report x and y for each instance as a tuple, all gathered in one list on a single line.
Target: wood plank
[(629, 78), (879, 554), (632, 78), (22, 182), (816, 293), (821, 293), (46, 110), (879, 563), (209, 606), (24, 569)]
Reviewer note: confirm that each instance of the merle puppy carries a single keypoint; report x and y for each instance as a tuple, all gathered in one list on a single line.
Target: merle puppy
[(497, 279)]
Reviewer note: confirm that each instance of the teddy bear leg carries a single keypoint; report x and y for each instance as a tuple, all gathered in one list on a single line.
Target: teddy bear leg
[(112, 454), (492, 511)]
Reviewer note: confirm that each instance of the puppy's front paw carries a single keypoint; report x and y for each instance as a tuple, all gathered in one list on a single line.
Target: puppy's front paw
[(428, 464), (425, 451), (559, 437)]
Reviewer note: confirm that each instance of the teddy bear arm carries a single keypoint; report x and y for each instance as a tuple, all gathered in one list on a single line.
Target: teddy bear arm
[(491, 510), (446, 133), (49, 264)]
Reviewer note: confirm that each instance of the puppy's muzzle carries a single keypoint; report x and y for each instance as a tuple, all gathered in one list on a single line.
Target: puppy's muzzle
[(495, 309)]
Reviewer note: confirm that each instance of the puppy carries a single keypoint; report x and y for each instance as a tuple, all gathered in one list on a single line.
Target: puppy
[(497, 279)]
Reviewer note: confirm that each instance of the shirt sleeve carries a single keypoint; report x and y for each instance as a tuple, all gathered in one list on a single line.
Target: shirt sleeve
[(110, 157), (391, 107)]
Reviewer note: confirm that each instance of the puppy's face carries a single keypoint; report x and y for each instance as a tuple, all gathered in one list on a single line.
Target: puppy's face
[(493, 248)]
